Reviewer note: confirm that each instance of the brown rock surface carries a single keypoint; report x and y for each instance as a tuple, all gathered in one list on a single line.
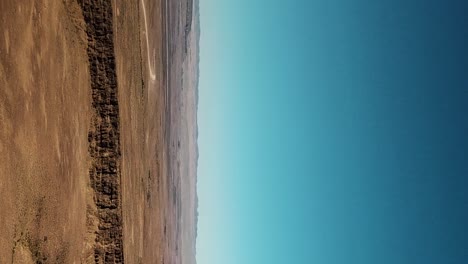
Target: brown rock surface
[(44, 119)]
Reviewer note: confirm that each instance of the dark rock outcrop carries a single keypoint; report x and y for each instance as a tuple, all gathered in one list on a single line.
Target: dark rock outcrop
[(104, 133)]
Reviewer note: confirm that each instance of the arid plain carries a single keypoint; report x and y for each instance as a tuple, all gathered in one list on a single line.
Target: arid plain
[(98, 131)]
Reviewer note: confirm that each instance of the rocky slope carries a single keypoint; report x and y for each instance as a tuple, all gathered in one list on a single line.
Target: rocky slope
[(104, 137)]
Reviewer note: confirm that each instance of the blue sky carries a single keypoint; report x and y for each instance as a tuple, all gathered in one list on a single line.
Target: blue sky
[(333, 132)]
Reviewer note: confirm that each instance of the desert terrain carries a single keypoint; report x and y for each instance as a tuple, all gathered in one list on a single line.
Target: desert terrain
[(98, 131)]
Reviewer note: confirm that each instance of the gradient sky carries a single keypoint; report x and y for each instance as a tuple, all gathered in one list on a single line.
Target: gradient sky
[(333, 132)]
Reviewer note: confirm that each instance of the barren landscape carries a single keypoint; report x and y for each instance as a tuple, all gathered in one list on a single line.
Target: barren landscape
[(98, 131)]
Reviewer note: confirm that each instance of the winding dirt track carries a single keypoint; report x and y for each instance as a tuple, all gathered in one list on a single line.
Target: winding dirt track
[(151, 69)]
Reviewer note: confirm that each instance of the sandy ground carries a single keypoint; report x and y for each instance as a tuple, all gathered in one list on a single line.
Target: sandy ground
[(44, 118), (142, 110), (159, 222), (45, 115)]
